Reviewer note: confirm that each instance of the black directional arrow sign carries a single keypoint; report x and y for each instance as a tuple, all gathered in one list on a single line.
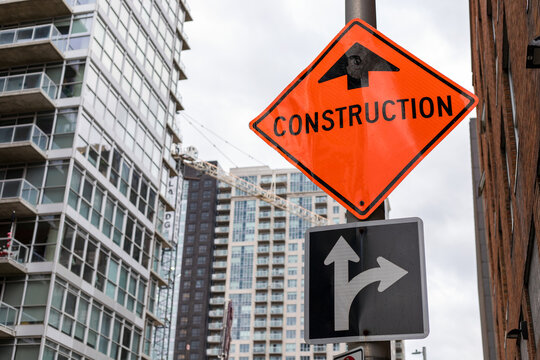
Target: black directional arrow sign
[(365, 281)]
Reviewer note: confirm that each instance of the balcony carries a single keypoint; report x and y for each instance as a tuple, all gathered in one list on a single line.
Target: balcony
[(212, 339), (224, 196), (154, 318), (182, 72), (277, 285), (15, 11), (319, 348), (259, 323), (276, 336), (213, 352), (278, 272), (219, 276), (220, 253), (259, 349), (13, 256), (222, 230), (220, 241), (261, 273), (29, 45), (184, 37), (275, 350), (8, 316), (17, 195), (217, 301), (220, 264), (215, 313), (277, 298), (187, 10), (262, 261), (223, 218), (223, 207), (215, 325), (260, 311), (278, 248), (259, 336), (261, 298), (27, 92), (276, 310), (263, 237), (263, 249), (280, 213), (22, 143), (261, 285), (217, 289), (276, 323), (264, 227)]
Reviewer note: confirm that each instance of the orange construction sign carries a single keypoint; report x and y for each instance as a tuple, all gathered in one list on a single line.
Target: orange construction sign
[(361, 116)]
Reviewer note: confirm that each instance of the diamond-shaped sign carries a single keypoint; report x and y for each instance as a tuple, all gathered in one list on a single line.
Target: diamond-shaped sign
[(361, 116)]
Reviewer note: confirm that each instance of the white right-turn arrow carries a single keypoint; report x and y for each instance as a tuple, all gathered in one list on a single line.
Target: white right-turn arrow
[(345, 291)]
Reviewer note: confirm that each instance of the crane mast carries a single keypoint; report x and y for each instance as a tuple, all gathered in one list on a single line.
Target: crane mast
[(189, 158)]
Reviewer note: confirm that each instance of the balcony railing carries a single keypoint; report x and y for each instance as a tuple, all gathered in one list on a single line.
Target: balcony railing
[(31, 33), (213, 351), (30, 81), (13, 250), (8, 315), (214, 339), (259, 336), (217, 301), (215, 313), (220, 241), (18, 188), (19, 133), (215, 325)]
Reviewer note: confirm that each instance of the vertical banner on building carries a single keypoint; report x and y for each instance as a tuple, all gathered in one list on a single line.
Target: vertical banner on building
[(168, 225), (168, 221), (172, 186)]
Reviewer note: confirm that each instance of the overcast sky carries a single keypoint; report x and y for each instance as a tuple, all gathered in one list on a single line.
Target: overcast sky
[(245, 52)]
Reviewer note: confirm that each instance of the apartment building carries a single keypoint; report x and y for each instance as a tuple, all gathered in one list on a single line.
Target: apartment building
[(89, 191), (258, 262), (200, 198), (505, 142)]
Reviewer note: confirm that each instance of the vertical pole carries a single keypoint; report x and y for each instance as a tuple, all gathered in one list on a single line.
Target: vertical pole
[(362, 9), (365, 10), (424, 353)]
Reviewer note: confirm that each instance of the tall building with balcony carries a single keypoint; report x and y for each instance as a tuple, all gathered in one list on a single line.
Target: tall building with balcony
[(89, 191), (258, 265), (505, 143)]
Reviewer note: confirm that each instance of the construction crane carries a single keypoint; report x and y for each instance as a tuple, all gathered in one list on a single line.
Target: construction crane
[(189, 157)]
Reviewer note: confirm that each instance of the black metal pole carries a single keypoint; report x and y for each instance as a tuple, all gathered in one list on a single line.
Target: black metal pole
[(365, 10)]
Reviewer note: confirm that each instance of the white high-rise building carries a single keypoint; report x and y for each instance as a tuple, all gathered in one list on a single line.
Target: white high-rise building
[(89, 191), (259, 265)]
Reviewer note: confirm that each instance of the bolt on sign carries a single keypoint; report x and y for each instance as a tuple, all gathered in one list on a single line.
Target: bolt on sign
[(361, 116)]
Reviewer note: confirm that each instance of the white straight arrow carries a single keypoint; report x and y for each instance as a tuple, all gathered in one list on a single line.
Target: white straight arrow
[(345, 291)]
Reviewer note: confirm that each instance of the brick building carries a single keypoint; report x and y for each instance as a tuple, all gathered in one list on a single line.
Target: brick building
[(505, 154)]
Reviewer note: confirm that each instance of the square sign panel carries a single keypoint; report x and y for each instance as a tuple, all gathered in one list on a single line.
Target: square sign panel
[(365, 281), (361, 116)]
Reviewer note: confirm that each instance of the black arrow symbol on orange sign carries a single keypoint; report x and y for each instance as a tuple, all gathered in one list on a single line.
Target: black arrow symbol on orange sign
[(356, 63)]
